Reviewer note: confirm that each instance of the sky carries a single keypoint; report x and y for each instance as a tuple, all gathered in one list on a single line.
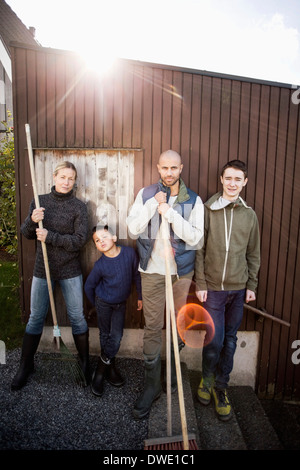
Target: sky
[(250, 38)]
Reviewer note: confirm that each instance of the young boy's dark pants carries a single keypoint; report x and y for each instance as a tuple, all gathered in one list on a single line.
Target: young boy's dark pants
[(111, 319)]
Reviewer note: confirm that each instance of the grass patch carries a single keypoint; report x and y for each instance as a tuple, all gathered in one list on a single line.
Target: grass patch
[(11, 326)]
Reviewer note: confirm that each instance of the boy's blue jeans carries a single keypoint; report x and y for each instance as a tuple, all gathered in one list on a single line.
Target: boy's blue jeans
[(39, 304), (226, 310), (111, 319)]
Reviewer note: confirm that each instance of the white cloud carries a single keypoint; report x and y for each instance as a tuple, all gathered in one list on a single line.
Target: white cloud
[(277, 39), (263, 48), (275, 48)]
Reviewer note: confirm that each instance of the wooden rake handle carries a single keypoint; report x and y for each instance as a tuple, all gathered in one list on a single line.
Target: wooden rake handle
[(171, 308), (44, 249)]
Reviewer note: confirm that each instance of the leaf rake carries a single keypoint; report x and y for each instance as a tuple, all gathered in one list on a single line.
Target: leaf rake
[(65, 354)]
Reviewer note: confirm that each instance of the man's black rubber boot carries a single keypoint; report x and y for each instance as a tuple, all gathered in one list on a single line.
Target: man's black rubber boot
[(152, 388)]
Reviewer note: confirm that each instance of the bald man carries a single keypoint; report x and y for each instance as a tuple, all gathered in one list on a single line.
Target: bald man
[(183, 210)]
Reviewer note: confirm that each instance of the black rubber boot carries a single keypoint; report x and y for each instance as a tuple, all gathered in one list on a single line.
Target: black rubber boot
[(113, 375), (82, 345), (152, 388), (98, 377), (29, 347)]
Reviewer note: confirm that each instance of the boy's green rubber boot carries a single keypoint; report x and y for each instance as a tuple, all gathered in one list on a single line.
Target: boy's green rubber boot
[(222, 405), (204, 393)]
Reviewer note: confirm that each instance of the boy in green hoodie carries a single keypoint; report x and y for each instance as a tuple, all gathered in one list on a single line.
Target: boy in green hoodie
[(226, 271)]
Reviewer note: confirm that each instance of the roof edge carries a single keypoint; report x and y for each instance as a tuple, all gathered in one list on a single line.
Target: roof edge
[(166, 67)]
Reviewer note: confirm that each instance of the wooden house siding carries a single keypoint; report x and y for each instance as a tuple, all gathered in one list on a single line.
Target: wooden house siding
[(209, 119), (105, 182)]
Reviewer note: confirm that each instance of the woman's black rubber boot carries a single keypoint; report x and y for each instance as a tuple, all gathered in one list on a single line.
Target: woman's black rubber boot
[(82, 345), (29, 347)]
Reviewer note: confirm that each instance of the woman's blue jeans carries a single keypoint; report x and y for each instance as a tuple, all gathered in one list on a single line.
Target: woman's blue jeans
[(226, 310), (72, 290), (111, 319)]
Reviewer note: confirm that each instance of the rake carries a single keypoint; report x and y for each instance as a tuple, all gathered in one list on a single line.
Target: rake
[(185, 441), (66, 355)]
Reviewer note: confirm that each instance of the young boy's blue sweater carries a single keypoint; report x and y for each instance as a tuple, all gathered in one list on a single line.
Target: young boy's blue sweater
[(111, 278)]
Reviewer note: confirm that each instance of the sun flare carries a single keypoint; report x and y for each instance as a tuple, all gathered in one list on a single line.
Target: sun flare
[(99, 61)]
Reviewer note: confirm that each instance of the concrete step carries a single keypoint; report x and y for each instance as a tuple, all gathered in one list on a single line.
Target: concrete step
[(256, 428), (248, 429), (213, 433)]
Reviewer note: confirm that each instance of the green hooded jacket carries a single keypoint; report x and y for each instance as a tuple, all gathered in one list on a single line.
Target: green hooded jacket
[(230, 256)]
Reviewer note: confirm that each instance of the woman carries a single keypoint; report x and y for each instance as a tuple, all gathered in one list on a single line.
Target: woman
[(65, 227)]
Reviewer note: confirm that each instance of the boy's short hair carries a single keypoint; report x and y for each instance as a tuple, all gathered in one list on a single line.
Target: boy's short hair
[(238, 165), (103, 227)]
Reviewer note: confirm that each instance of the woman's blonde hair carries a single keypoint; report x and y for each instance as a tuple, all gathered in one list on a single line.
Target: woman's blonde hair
[(63, 165)]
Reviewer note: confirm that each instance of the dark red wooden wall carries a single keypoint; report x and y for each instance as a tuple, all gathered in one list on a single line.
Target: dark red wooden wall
[(209, 119)]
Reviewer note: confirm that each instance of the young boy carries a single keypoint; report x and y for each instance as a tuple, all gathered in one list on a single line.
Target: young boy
[(226, 270), (107, 287)]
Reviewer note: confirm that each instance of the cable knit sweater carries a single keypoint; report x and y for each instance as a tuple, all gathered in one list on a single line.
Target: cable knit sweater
[(66, 220), (111, 278)]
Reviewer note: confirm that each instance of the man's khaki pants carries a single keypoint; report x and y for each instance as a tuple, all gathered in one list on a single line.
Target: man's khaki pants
[(154, 298)]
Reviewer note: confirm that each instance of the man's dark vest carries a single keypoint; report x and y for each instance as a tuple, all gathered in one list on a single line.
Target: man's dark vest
[(184, 255)]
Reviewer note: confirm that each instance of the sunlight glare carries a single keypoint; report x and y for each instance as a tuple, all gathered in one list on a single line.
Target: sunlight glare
[(99, 61), (194, 318), (194, 323)]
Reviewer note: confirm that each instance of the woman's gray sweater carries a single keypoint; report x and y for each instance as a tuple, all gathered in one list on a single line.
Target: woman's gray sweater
[(66, 220)]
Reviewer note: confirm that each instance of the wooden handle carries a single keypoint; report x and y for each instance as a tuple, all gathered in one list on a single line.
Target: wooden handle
[(44, 249), (168, 365), (170, 306), (266, 315)]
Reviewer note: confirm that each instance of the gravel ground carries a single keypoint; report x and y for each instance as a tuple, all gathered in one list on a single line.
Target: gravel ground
[(52, 413)]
